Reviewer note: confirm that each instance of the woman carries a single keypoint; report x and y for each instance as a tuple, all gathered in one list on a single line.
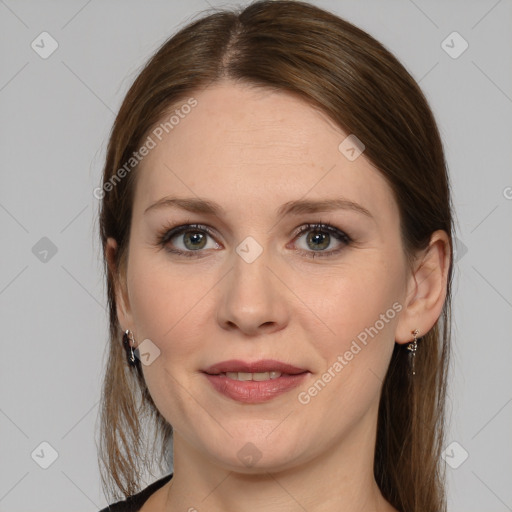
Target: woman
[(277, 232)]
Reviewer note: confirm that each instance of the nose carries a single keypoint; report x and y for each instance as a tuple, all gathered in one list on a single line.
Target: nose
[(252, 298)]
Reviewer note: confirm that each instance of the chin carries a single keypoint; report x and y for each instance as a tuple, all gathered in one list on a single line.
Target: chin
[(253, 454)]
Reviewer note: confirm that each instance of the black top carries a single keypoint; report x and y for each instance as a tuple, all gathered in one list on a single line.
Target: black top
[(134, 503)]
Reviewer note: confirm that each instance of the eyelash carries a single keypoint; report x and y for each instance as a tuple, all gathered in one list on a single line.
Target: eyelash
[(170, 232)]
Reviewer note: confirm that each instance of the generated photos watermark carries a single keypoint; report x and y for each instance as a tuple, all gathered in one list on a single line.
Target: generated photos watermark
[(150, 143), (342, 360)]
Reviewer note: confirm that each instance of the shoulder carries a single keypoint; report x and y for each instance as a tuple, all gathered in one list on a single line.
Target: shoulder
[(134, 503)]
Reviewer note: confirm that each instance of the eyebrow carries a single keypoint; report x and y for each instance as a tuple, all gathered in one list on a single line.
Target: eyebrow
[(297, 207)]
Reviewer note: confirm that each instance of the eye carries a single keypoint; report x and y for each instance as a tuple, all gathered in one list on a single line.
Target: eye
[(189, 238), (319, 237)]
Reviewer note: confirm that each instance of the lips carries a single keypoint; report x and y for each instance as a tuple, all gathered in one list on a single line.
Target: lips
[(255, 382), (262, 366)]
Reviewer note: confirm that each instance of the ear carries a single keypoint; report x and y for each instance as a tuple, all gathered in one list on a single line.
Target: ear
[(426, 289), (124, 316)]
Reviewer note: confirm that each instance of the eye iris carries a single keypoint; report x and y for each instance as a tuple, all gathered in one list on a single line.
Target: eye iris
[(194, 237), (317, 236)]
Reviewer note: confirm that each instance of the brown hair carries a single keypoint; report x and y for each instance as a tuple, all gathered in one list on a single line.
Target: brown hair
[(298, 48)]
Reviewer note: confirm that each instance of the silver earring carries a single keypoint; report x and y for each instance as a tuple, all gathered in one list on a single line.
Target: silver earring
[(413, 346), (129, 341)]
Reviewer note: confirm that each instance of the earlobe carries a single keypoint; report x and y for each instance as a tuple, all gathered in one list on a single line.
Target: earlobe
[(427, 288), (122, 303)]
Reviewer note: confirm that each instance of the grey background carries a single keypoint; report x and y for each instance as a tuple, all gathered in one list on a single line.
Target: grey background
[(56, 115)]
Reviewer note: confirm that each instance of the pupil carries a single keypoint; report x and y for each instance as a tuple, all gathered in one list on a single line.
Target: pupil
[(194, 238), (319, 237)]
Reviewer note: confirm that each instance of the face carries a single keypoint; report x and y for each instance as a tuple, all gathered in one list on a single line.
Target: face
[(264, 277)]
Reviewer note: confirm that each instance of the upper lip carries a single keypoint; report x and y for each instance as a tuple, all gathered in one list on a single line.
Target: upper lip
[(262, 366)]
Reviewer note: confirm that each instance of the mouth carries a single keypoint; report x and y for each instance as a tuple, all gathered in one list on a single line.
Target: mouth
[(245, 376), (264, 369), (254, 382)]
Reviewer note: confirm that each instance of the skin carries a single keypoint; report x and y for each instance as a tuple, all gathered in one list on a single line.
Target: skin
[(251, 150)]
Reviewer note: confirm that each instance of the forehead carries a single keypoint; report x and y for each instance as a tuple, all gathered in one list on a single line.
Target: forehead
[(249, 146)]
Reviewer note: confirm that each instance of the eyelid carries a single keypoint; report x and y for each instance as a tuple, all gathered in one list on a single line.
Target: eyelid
[(320, 226)]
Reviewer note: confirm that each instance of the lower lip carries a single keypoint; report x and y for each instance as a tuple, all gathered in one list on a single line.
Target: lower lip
[(251, 391)]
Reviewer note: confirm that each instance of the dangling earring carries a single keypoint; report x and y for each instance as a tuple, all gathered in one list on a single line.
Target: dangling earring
[(413, 346), (128, 342)]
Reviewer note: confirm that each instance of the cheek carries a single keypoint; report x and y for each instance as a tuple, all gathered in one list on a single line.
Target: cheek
[(355, 337), (349, 303), (354, 322), (154, 301), (160, 295), (171, 305), (166, 308)]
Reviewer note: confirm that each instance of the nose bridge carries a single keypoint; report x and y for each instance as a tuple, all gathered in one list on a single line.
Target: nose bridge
[(250, 279), (251, 296)]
